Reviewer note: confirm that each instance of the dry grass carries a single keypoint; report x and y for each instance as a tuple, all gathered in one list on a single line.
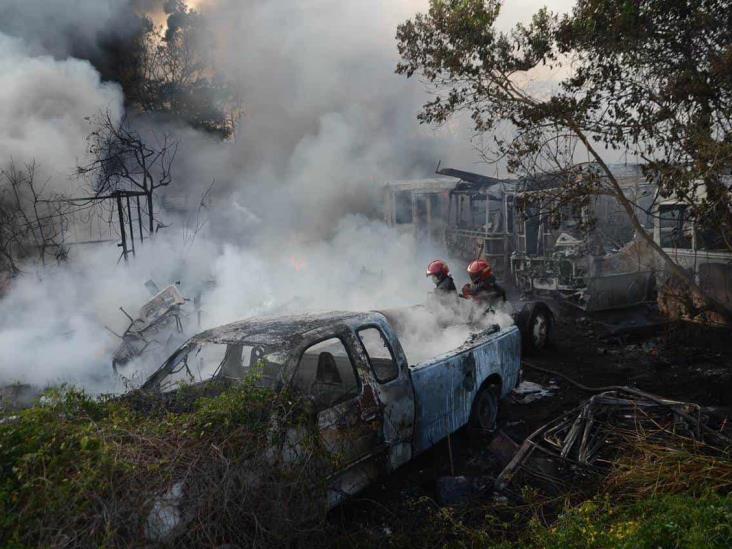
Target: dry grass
[(680, 465)]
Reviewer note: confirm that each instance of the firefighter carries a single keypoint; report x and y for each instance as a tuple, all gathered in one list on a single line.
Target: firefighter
[(439, 272), (483, 287)]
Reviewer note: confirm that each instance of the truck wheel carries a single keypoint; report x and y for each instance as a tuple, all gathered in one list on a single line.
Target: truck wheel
[(484, 414)]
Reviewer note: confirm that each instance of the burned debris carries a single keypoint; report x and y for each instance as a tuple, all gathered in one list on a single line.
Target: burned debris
[(269, 430), (581, 445), (161, 324)]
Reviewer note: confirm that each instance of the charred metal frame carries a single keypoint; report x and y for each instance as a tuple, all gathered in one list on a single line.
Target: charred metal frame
[(494, 243)]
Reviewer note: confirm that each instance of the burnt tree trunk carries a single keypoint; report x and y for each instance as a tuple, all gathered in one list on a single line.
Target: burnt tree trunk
[(150, 211)]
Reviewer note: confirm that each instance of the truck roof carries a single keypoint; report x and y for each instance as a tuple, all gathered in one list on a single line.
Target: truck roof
[(278, 330)]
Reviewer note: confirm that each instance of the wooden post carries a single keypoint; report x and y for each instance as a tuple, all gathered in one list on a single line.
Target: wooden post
[(129, 220), (121, 224), (449, 448), (139, 218), (150, 212)]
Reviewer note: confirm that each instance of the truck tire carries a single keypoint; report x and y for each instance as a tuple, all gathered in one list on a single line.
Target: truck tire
[(484, 413)]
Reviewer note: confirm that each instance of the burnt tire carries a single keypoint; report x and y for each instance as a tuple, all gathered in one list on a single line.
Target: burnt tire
[(484, 414)]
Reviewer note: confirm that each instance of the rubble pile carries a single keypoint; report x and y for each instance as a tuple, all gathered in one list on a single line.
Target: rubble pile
[(580, 446)]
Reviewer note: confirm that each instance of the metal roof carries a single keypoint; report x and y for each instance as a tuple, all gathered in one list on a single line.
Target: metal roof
[(432, 184), (471, 177)]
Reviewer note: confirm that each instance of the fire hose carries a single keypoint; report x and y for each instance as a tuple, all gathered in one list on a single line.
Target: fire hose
[(572, 381)]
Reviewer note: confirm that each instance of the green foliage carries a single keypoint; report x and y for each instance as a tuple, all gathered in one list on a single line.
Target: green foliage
[(649, 77), (663, 521), (679, 520), (83, 471), (660, 71), (54, 461), (456, 47)]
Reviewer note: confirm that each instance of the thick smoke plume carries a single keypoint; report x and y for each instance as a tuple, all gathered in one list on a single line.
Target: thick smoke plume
[(44, 103), (292, 224)]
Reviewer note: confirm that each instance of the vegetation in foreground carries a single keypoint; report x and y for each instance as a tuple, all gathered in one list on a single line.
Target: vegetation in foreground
[(663, 520), (78, 471)]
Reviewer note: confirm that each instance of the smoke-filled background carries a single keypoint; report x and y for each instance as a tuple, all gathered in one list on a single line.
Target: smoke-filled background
[(291, 222)]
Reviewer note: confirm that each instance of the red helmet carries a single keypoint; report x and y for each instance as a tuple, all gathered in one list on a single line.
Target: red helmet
[(438, 268), (479, 269)]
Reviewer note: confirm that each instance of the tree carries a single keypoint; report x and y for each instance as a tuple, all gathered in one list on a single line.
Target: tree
[(176, 75), (30, 225), (660, 76), (124, 160), (625, 81)]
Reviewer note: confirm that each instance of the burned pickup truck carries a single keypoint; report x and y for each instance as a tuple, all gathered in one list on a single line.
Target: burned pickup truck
[(373, 410)]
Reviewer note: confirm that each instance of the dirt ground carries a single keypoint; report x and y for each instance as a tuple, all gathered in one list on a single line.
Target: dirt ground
[(677, 361)]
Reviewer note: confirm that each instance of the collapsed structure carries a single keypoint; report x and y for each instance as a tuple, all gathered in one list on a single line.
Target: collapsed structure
[(589, 256), (699, 249)]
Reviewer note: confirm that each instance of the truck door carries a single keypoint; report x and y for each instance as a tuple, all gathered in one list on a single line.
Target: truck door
[(349, 414), (393, 386)]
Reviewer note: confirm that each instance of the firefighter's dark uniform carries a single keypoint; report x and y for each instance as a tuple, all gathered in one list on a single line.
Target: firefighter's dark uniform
[(485, 291), (446, 286)]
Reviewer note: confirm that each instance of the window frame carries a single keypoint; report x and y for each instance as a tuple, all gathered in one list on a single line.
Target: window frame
[(436, 206), (673, 237), (353, 362), (403, 216), (388, 346)]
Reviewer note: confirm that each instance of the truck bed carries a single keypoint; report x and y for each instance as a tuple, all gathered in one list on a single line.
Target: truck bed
[(445, 386)]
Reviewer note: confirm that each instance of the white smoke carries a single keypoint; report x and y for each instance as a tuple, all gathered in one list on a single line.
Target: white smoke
[(444, 323), (326, 121), (365, 266), (44, 104), (53, 324), (53, 321), (292, 227)]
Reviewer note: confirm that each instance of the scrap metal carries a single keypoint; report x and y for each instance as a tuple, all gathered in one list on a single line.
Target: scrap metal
[(580, 445), (158, 324)]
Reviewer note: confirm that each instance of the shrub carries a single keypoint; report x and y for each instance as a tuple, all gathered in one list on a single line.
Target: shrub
[(203, 468), (669, 520)]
